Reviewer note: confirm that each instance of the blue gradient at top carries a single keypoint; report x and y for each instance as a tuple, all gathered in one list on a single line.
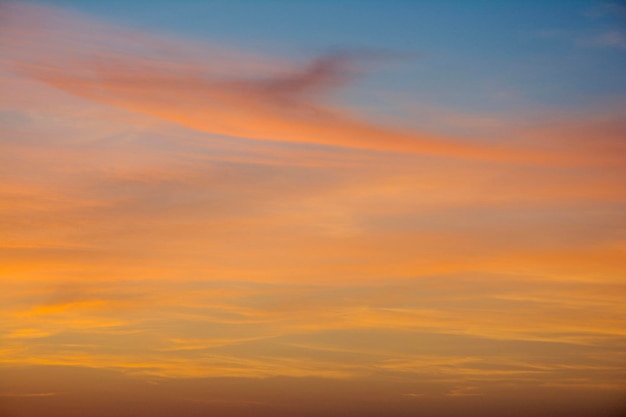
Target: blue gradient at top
[(495, 56)]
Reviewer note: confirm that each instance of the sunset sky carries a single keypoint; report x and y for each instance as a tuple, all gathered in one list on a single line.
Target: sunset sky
[(312, 208)]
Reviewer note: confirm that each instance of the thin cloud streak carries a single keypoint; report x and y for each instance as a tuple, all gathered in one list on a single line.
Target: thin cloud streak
[(28, 395)]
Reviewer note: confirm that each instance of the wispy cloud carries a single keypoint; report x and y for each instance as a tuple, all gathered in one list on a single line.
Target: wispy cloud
[(464, 392), (607, 30), (279, 103), (27, 395), (613, 38), (184, 211)]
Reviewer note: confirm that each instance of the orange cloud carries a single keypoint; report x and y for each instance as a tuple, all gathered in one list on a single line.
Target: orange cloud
[(143, 240), (276, 106)]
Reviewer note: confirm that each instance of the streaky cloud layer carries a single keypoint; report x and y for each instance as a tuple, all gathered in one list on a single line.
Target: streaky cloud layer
[(203, 228), (164, 80)]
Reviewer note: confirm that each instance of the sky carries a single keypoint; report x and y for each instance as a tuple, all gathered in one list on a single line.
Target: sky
[(305, 208)]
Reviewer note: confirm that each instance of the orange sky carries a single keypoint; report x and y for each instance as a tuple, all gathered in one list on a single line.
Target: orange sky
[(209, 231)]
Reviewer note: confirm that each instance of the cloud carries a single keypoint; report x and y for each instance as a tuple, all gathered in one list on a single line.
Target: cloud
[(27, 334), (606, 28), (144, 230), (28, 395), (465, 392), (323, 73), (609, 8), (220, 92), (613, 38), (163, 81)]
